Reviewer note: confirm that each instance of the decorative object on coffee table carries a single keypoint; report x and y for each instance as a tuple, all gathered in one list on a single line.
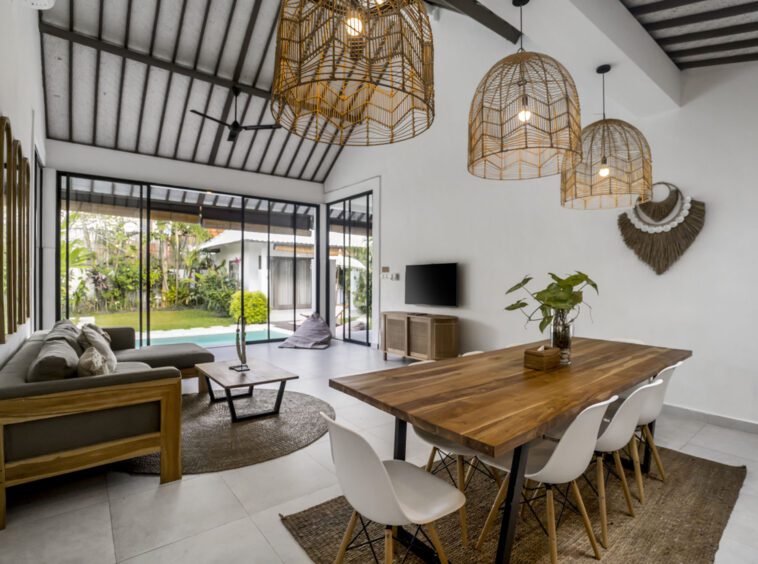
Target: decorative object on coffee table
[(241, 342), (659, 232), (260, 372), (558, 305)]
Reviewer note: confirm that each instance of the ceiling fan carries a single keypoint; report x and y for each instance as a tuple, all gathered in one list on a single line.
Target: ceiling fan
[(236, 127)]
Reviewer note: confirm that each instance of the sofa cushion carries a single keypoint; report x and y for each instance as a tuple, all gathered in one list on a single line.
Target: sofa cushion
[(131, 367), (65, 330), (84, 341), (102, 345), (92, 363), (56, 360), (16, 368), (180, 355)]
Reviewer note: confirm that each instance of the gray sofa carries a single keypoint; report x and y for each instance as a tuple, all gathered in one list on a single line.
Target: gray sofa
[(57, 426)]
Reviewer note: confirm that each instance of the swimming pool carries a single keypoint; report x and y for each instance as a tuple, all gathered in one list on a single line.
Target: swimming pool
[(219, 339)]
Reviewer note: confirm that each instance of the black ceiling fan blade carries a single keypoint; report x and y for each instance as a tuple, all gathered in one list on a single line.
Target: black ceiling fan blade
[(259, 127), (206, 116), (233, 134)]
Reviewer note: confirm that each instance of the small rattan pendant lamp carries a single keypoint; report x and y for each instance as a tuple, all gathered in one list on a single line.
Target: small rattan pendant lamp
[(524, 118), (616, 171), (354, 72)]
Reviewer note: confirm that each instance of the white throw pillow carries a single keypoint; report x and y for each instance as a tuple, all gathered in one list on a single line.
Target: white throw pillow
[(103, 347), (92, 363)]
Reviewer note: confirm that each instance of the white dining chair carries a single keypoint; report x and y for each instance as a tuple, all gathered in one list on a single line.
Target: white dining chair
[(615, 434), (651, 410), (551, 463), (393, 493)]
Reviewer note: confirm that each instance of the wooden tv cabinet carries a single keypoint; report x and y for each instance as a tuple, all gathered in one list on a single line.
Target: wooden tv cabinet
[(420, 336)]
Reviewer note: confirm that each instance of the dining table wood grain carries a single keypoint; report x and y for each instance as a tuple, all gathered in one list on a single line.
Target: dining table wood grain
[(491, 403)]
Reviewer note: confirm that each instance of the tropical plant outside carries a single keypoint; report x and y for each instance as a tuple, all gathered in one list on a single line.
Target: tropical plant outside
[(256, 307)]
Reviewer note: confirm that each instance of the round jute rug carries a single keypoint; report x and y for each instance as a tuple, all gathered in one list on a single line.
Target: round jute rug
[(211, 442)]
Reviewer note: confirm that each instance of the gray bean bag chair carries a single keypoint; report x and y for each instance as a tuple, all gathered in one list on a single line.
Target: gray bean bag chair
[(314, 333)]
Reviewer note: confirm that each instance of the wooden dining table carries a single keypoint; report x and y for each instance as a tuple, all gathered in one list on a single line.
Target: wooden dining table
[(491, 403)]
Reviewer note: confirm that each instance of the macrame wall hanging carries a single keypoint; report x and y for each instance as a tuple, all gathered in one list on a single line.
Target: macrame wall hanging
[(659, 232)]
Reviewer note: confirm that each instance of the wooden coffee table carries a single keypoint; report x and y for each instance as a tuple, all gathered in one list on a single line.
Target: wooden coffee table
[(261, 372)]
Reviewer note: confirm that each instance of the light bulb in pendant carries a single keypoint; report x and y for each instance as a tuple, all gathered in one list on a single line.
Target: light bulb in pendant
[(354, 26), (604, 169), (524, 115)]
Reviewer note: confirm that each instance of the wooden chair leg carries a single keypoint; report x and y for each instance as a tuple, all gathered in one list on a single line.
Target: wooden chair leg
[(346, 538), (2, 507), (624, 483), (471, 469), (2, 478), (551, 535), (602, 502), (585, 519), (496, 475), (171, 435), (634, 449), (389, 552), (494, 510), (431, 530), (656, 455), (430, 462), (460, 463)]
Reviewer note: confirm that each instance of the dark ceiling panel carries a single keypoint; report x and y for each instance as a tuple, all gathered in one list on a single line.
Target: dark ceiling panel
[(139, 66), (701, 32)]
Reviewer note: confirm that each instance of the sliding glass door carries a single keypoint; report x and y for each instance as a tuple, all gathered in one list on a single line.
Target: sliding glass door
[(172, 262), (350, 267)]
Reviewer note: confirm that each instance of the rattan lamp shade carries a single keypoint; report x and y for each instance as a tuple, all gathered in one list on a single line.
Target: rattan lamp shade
[(622, 150), (354, 72), (504, 146)]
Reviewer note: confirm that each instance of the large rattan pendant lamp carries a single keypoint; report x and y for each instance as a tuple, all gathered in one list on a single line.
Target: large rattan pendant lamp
[(616, 171), (524, 118), (354, 72)]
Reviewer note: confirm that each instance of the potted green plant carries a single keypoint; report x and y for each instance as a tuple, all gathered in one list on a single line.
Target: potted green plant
[(558, 305)]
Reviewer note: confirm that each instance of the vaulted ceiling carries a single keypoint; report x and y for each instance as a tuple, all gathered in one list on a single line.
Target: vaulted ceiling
[(123, 74), (697, 33)]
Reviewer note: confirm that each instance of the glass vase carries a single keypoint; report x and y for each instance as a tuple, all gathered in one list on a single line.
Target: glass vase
[(560, 335)]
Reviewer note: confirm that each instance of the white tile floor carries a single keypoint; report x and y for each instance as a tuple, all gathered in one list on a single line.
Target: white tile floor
[(233, 516)]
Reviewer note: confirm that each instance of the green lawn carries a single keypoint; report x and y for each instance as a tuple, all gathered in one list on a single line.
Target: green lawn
[(162, 320)]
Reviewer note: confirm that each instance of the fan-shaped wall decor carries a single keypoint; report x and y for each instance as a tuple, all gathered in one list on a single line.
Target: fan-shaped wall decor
[(616, 169), (660, 232), (361, 70), (524, 119)]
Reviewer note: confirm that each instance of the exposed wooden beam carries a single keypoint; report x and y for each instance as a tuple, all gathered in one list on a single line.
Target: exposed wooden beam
[(128, 54), (742, 44), (729, 12), (236, 76), (719, 61), (156, 17), (660, 6), (484, 16), (708, 34)]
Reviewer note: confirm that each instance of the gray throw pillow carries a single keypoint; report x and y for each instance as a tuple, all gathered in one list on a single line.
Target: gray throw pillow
[(84, 341), (102, 346), (92, 363), (65, 330), (56, 360)]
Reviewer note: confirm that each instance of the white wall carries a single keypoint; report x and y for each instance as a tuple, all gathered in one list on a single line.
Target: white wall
[(433, 210), (21, 97)]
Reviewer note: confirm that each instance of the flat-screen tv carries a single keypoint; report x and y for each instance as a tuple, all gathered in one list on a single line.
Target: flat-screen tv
[(432, 284)]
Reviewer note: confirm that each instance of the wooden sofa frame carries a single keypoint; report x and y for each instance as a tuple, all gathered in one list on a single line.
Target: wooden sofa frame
[(167, 441)]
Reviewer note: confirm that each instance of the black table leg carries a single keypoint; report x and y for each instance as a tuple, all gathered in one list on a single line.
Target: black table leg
[(401, 431), (646, 460), (255, 415), (416, 545), (511, 507)]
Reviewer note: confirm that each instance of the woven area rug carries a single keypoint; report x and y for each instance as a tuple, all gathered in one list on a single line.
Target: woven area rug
[(211, 442), (681, 521)]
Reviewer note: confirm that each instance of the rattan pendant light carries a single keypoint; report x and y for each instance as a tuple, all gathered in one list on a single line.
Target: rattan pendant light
[(616, 171), (354, 72), (524, 118)]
